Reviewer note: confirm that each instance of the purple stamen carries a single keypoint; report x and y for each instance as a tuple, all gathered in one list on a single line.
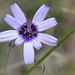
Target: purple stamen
[(34, 27), (25, 25)]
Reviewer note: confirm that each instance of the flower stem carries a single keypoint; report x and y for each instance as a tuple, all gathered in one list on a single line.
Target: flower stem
[(50, 51), (7, 61), (11, 44)]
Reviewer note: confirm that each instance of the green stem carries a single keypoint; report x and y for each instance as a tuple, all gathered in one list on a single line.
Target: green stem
[(50, 51)]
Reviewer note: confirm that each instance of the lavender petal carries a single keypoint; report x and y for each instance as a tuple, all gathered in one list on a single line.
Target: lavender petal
[(28, 53), (47, 39)]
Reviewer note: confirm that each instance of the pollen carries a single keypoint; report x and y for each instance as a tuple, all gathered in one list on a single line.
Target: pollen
[(21, 29), (29, 34), (36, 27), (24, 24), (25, 32), (18, 32), (34, 24), (36, 35)]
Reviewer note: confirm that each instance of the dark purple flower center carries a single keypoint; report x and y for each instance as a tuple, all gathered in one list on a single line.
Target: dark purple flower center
[(28, 34)]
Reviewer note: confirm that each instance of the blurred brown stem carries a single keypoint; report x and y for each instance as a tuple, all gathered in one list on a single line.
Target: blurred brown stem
[(11, 44), (7, 60)]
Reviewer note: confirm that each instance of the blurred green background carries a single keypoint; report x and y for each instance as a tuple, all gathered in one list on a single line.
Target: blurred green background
[(62, 60)]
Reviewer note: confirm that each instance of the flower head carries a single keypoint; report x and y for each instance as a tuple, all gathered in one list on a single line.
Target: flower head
[(29, 36)]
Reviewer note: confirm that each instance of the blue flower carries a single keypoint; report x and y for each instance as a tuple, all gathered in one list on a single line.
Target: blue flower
[(29, 36)]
